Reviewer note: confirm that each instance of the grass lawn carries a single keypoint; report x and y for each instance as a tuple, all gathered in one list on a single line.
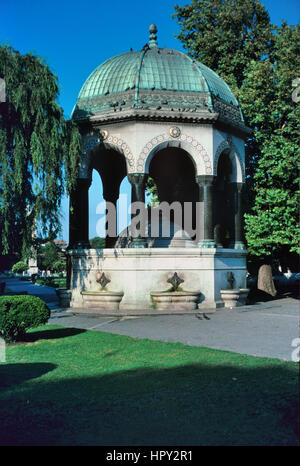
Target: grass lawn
[(54, 282), (73, 387)]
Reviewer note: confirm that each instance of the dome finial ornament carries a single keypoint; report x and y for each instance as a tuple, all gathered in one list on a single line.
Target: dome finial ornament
[(153, 36)]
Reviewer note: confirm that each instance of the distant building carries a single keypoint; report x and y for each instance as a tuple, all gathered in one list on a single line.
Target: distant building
[(61, 243)]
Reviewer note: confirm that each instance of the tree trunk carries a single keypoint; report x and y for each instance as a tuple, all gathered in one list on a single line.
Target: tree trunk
[(265, 280)]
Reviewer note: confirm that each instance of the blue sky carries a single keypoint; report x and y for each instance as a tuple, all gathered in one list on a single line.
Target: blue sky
[(74, 37)]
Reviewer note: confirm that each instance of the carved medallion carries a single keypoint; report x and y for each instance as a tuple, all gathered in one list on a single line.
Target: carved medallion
[(175, 132), (104, 134)]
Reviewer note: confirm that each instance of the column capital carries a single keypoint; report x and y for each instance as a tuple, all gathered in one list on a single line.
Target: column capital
[(238, 185), (204, 180), (137, 178)]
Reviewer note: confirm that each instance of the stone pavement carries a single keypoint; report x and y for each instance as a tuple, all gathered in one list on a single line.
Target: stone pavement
[(264, 329)]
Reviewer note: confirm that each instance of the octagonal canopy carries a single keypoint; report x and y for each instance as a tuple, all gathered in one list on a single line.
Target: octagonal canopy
[(156, 79)]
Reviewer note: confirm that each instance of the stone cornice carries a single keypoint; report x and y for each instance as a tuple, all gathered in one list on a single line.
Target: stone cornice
[(237, 128), (153, 115), (159, 252)]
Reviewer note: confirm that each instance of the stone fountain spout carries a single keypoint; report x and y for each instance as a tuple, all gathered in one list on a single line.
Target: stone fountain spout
[(233, 297), (175, 299), (102, 300)]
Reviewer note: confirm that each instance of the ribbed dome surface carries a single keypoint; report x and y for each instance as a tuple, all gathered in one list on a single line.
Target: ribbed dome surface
[(161, 69), (124, 80)]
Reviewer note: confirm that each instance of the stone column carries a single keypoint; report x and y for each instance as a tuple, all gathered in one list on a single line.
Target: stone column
[(238, 214), (137, 181), (79, 215), (111, 219), (206, 188)]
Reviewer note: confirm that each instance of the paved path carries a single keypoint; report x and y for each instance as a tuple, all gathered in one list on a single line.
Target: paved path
[(264, 329), (46, 293)]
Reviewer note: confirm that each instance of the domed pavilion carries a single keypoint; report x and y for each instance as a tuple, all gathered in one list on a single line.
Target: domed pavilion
[(157, 113)]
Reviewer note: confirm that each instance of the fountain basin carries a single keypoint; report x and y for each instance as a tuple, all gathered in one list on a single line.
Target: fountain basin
[(235, 297), (175, 300), (102, 300)]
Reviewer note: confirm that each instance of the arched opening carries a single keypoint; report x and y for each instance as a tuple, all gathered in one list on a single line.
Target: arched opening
[(173, 172), (111, 166), (123, 205), (95, 197), (224, 202)]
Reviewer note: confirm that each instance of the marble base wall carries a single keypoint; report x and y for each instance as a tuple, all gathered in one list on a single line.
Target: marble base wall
[(138, 272)]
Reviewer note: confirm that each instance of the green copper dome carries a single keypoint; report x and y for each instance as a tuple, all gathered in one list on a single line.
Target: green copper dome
[(154, 79)]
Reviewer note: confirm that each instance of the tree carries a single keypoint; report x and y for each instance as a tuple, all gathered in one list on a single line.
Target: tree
[(59, 266), (19, 267), (225, 35), (272, 228), (259, 61), (49, 257), (39, 151)]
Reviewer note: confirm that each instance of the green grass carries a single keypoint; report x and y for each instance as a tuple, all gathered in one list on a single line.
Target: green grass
[(73, 387), (55, 282)]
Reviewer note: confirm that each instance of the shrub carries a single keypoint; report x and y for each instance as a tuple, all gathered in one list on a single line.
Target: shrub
[(19, 313), (19, 267)]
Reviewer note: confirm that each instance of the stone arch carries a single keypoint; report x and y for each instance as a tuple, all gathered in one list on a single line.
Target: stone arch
[(196, 151), (235, 157), (116, 143)]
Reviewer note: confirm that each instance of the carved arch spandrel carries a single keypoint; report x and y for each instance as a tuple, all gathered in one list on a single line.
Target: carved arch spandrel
[(194, 148), (116, 143)]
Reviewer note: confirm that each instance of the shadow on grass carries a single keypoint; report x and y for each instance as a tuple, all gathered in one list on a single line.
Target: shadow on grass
[(15, 374), (195, 404), (33, 336)]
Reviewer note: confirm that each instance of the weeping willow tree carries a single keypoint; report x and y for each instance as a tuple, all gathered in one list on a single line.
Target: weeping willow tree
[(39, 152)]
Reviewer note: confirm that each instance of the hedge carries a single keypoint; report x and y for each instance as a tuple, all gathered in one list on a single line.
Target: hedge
[(19, 313)]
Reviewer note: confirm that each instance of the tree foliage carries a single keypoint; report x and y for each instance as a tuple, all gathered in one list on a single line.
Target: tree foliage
[(52, 258), (97, 242), (273, 222), (225, 35), (59, 266), (19, 267), (39, 151), (152, 192), (259, 61)]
